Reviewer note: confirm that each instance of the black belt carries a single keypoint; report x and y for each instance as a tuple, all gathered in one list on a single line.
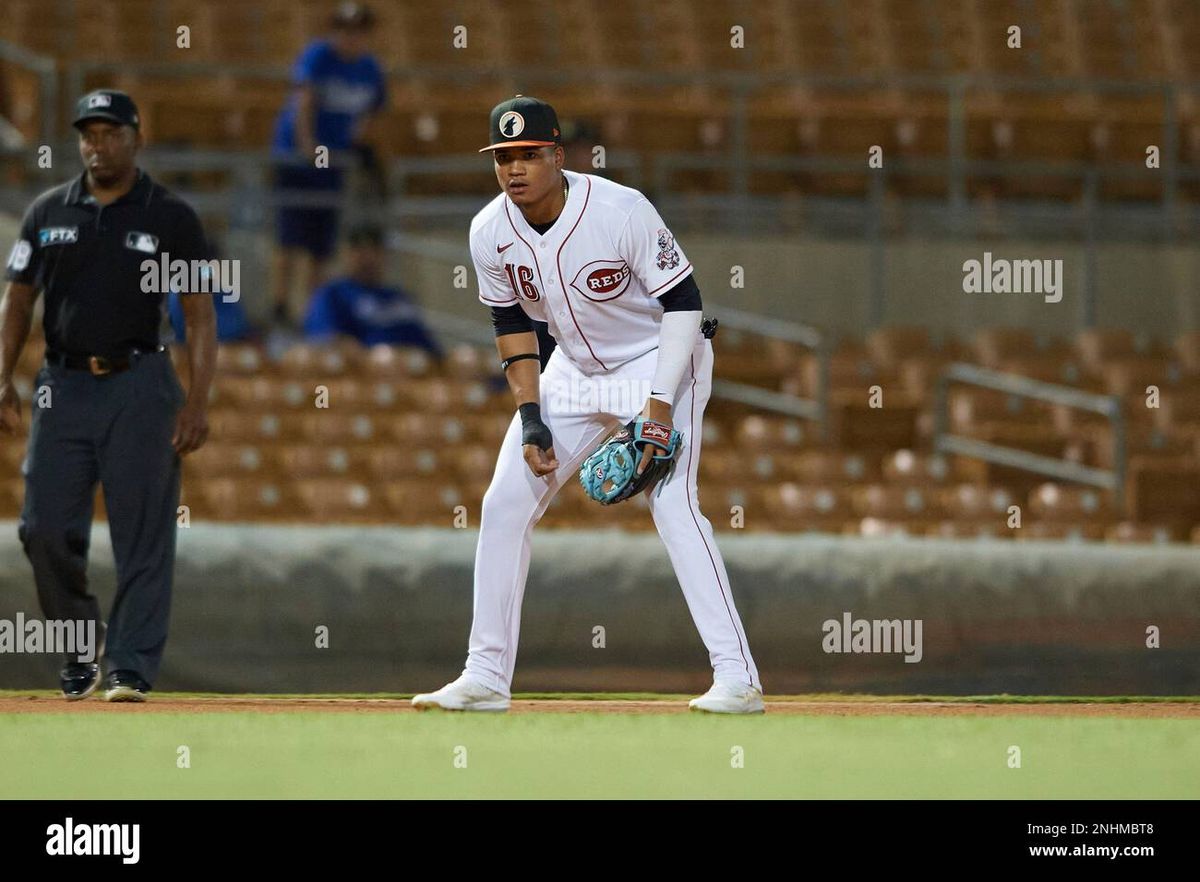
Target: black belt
[(99, 364)]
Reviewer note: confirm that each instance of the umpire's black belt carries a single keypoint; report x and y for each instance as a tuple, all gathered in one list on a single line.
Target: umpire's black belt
[(99, 365)]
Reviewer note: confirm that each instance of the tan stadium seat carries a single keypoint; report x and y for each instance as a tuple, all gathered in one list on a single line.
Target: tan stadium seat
[(265, 393), (234, 426), (1057, 502), (907, 467), (449, 395), (394, 362), (833, 466), (1099, 346), (473, 463), (300, 461), (390, 462), (335, 427), (888, 502), (889, 346), (227, 460), (318, 361), (1130, 375), (334, 500), (241, 358), (977, 503), (236, 499), (993, 346), (771, 433)]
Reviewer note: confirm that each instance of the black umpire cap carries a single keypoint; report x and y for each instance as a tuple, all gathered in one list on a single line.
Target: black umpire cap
[(107, 104), (523, 122)]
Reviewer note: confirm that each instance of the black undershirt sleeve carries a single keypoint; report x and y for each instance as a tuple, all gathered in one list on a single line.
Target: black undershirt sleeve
[(510, 320), (684, 297)]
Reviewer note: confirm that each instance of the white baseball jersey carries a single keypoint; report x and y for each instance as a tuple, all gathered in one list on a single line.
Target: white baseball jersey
[(595, 275)]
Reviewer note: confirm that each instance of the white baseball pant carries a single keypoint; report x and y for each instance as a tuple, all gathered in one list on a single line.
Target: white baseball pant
[(580, 412)]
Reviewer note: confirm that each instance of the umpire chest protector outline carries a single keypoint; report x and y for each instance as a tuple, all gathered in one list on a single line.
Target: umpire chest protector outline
[(593, 277)]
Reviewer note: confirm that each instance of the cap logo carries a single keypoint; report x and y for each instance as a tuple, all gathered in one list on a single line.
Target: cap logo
[(95, 101), (512, 124)]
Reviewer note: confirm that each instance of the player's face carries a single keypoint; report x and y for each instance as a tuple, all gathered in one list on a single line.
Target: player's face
[(108, 150), (528, 174)]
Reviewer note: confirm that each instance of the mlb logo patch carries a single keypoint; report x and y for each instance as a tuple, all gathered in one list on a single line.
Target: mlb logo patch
[(58, 235), (143, 242), (99, 101)]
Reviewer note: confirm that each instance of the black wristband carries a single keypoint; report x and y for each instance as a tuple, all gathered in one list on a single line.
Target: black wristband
[(533, 430), (504, 364)]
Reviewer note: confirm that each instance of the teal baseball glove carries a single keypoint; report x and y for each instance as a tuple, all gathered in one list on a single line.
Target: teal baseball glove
[(610, 475)]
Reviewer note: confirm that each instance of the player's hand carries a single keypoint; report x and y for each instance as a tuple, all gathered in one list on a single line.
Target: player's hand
[(191, 428), (660, 412), (537, 444), (541, 462), (10, 409)]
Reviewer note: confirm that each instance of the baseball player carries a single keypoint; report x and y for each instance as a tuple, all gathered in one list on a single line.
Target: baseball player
[(594, 260)]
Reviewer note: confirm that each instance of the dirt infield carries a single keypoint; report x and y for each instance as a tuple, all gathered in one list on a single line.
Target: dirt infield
[(42, 703)]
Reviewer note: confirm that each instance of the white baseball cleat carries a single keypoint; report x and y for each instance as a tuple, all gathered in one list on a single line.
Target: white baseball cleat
[(729, 697), (462, 695)]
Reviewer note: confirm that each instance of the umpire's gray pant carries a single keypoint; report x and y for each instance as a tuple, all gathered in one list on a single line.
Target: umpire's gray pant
[(115, 429)]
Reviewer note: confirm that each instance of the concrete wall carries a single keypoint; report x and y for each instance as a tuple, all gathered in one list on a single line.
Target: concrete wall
[(997, 617)]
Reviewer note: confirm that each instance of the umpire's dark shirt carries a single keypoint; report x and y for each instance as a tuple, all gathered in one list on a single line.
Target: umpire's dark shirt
[(87, 259)]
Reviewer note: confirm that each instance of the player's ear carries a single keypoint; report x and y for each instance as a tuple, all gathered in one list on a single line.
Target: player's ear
[(560, 156)]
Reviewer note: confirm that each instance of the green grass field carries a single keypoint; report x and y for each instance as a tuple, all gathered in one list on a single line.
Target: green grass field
[(303, 754)]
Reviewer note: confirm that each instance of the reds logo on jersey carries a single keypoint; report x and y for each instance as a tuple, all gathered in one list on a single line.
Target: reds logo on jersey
[(602, 280)]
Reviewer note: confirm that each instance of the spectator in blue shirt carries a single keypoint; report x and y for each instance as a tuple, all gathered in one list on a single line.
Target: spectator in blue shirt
[(360, 306), (339, 87)]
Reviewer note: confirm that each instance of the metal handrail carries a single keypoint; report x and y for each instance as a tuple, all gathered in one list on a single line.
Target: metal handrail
[(1014, 384), (815, 409)]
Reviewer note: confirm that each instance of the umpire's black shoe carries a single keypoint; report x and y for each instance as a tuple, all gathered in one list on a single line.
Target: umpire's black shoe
[(125, 686), (79, 680)]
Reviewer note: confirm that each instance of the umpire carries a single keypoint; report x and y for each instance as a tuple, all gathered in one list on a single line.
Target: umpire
[(109, 407)]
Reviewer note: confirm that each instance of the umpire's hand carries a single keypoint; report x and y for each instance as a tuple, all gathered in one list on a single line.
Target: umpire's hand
[(191, 428), (10, 409)]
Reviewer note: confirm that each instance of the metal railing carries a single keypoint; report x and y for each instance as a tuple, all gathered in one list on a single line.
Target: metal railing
[(1106, 405), (815, 409)]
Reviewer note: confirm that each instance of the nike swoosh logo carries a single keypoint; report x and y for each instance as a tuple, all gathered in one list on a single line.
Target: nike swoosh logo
[(500, 249)]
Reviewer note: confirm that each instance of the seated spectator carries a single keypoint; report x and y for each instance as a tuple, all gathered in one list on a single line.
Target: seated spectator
[(360, 306)]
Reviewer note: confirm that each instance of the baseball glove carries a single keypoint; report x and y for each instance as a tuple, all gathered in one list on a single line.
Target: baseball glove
[(610, 475)]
